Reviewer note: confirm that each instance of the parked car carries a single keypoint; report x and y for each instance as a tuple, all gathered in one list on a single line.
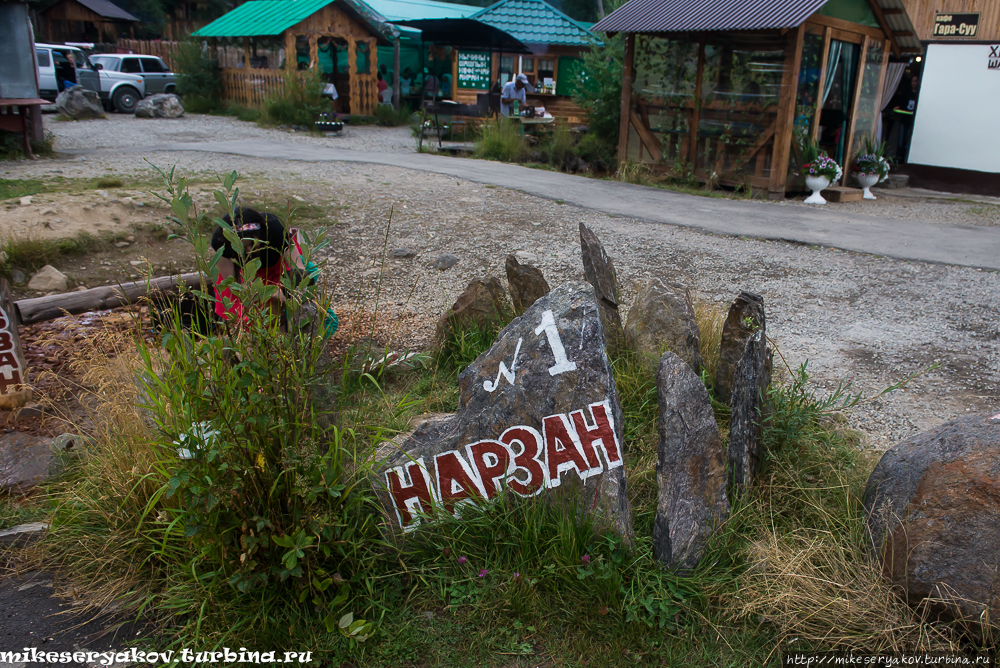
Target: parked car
[(60, 65), (158, 77)]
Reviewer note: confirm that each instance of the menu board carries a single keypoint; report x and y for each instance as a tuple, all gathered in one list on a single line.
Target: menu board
[(474, 69)]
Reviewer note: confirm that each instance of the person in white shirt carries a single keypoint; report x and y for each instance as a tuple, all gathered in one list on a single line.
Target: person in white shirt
[(514, 90)]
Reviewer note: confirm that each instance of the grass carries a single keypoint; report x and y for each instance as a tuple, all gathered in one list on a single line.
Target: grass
[(31, 253), (14, 188), (501, 141), (12, 148), (225, 550)]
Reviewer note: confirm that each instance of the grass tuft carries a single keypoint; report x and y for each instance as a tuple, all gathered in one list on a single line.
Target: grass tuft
[(501, 141), (12, 188)]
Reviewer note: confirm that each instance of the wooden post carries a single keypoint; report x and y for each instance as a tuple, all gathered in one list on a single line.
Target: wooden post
[(849, 146), (696, 110), (291, 52), (352, 76), (814, 130), (395, 74), (628, 74), (785, 121), (313, 51), (13, 370), (246, 52)]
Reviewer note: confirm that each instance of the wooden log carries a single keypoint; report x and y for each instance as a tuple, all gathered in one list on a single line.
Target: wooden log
[(13, 394), (98, 299)]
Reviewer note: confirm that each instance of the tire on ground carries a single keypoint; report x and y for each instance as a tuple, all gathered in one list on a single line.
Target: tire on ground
[(125, 99)]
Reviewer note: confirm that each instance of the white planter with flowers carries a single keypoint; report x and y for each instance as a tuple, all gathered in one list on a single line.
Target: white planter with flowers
[(820, 173), (870, 167)]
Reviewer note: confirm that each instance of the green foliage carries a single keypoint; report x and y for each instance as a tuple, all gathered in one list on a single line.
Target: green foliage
[(389, 117), (599, 90), (502, 141), (12, 188), (249, 114), (12, 145), (300, 102), (560, 147), (30, 253), (199, 77)]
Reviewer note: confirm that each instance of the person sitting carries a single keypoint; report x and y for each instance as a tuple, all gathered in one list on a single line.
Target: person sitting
[(381, 84), (404, 81)]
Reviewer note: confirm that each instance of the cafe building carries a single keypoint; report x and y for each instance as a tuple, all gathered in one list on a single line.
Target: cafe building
[(955, 144), (734, 92)]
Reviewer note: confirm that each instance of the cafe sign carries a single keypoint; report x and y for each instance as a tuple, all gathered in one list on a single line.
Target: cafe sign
[(956, 25), (474, 69)]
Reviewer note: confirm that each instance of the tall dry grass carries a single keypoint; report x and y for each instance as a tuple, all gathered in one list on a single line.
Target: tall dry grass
[(710, 319)]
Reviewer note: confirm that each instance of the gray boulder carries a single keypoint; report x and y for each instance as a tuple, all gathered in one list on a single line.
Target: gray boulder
[(161, 105), (933, 507), (78, 103), (690, 467), (27, 460), (746, 412), (527, 284), (538, 414), (483, 302), (48, 279), (600, 272), (746, 316), (662, 318)]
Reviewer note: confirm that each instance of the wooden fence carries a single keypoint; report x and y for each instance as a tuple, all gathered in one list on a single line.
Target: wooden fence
[(251, 87)]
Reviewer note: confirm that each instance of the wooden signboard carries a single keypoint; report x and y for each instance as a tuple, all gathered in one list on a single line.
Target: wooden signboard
[(956, 25), (474, 69), (12, 366)]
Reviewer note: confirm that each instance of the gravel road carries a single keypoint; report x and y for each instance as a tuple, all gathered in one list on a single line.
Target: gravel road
[(852, 316)]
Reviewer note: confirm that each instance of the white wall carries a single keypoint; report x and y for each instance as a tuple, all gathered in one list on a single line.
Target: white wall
[(958, 113)]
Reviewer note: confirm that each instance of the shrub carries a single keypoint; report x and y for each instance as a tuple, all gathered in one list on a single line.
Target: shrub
[(12, 145), (599, 89), (300, 101), (199, 77), (390, 117), (501, 141), (559, 148)]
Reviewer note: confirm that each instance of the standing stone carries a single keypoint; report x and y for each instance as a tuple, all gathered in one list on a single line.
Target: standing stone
[(746, 409), (690, 467), (482, 303), (76, 102), (746, 316), (538, 414), (600, 272), (527, 284), (933, 508), (662, 318)]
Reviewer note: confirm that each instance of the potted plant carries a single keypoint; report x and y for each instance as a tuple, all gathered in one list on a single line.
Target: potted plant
[(871, 167), (329, 122), (819, 173)]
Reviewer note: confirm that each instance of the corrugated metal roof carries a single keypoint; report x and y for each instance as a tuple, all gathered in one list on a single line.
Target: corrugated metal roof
[(262, 18), (901, 24), (108, 10), (649, 16), (411, 10), (535, 22)]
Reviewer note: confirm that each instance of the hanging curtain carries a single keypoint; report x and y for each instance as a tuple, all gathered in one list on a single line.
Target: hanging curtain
[(893, 75), (831, 67)]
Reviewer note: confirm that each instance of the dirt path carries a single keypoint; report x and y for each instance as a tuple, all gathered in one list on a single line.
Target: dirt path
[(852, 316)]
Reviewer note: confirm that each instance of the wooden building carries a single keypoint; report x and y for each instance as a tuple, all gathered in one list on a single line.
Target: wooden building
[(735, 92), (925, 14), (85, 21), (339, 38), (556, 43)]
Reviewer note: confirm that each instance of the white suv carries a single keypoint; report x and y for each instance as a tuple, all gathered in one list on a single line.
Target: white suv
[(60, 66), (155, 73)]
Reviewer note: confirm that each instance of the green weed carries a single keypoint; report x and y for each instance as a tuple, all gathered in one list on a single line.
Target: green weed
[(389, 117), (13, 188), (30, 253), (502, 141)]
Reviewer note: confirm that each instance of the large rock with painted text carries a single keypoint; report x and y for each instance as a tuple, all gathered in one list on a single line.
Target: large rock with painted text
[(538, 416)]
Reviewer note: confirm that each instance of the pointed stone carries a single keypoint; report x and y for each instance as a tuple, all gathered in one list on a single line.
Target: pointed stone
[(690, 467), (662, 318), (482, 303), (600, 272), (527, 284), (746, 412), (746, 316)]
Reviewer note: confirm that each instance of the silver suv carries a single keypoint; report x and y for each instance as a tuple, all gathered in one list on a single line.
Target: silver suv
[(60, 66), (158, 77)]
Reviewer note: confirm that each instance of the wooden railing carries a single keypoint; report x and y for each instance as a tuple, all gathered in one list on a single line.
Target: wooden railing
[(251, 87)]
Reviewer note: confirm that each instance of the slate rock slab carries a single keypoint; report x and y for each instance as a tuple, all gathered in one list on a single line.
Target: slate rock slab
[(527, 284), (746, 316), (78, 103), (446, 261), (933, 507), (662, 318), (483, 301), (600, 272), (746, 411), (538, 414), (160, 105), (403, 253), (690, 467)]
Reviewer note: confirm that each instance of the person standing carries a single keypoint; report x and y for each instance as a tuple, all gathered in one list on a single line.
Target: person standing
[(905, 109), (512, 91)]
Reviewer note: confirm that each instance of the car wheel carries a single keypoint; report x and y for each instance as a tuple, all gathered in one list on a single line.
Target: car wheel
[(170, 90), (126, 99)]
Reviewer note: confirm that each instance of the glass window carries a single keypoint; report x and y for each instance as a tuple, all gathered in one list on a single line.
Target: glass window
[(546, 69), (363, 58), (131, 65), (153, 65), (527, 64), (807, 95), (106, 63), (867, 110), (506, 69), (43, 58)]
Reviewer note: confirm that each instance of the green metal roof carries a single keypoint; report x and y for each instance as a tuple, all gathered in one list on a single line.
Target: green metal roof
[(414, 10), (261, 18), (535, 22)]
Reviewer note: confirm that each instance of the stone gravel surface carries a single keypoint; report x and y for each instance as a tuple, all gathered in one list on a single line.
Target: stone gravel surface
[(854, 317)]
